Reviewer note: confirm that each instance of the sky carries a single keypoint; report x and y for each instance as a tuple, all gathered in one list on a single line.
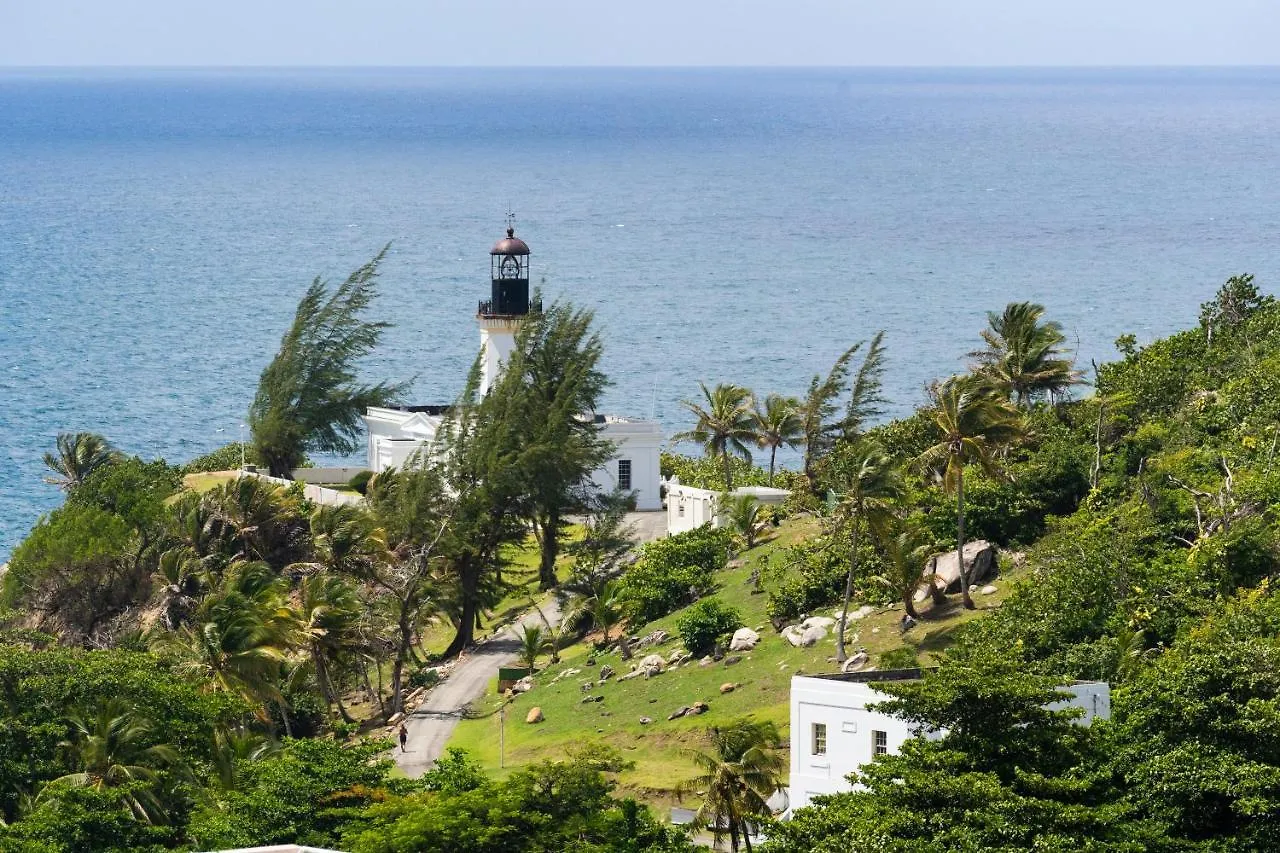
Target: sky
[(646, 33)]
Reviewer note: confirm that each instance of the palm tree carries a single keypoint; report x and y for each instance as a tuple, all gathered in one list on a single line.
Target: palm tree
[(239, 638), (329, 612), (742, 515), (973, 421), (232, 747), (597, 606), (533, 642), (724, 427), (868, 483), (345, 539), (256, 520), (778, 424), (181, 574), (820, 427), (79, 455), (906, 547), (740, 772), (1024, 357), (112, 749)]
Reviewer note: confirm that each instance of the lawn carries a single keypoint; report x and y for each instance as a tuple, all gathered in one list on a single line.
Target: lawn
[(762, 677)]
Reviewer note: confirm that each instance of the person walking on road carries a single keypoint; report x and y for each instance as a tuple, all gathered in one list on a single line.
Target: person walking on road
[(404, 737)]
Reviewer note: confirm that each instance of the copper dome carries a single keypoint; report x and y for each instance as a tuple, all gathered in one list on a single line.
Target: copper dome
[(510, 245)]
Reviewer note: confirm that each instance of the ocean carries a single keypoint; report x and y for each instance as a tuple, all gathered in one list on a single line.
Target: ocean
[(157, 227)]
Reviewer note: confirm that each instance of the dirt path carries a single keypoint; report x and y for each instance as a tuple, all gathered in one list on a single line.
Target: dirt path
[(431, 726)]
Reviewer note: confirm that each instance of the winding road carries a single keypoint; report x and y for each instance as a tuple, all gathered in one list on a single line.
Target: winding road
[(431, 726)]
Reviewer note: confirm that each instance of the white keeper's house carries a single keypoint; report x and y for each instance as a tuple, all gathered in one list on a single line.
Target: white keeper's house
[(396, 434)]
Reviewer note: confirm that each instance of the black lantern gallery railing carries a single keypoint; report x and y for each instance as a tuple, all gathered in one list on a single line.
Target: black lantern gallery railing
[(487, 309)]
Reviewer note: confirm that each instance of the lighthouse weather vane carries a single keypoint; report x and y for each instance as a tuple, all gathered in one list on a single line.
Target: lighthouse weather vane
[(511, 218)]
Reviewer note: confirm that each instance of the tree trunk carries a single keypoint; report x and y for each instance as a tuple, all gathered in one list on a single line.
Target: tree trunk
[(466, 632), (728, 473), (909, 604), (848, 590), (964, 576), (326, 684), (773, 456), (403, 647), (368, 685), (550, 542)]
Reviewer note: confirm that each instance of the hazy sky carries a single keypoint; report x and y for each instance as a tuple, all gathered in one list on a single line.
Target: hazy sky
[(641, 32)]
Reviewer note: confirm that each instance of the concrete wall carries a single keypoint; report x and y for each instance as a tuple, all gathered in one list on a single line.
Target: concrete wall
[(313, 493), (338, 475)]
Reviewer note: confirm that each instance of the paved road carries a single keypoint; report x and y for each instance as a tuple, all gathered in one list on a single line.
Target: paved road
[(431, 726)]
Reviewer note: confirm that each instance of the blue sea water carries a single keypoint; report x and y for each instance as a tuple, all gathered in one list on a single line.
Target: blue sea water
[(157, 227)]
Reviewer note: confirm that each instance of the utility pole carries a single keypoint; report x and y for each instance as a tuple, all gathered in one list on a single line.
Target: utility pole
[(502, 736)]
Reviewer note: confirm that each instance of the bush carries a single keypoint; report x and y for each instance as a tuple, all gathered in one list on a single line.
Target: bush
[(225, 458), (673, 572), (360, 482), (903, 657), (705, 622), (425, 677)]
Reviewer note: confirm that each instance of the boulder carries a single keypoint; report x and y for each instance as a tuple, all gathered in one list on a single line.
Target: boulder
[(534, 715), (793, 635), (652, 665), (587, 686), (674, 657), (944, 570), (823, 622), (654, 638), (396, 719), (698, 708), (812, 635), (524, 685), (732, 659), (635, 673), (744, 640), (728, 687), (988, 589), (707, 661), (861, 613), (606, 672), (856, 662), (644, 721), (675, 715)]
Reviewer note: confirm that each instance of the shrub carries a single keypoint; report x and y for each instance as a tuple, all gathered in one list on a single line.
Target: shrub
[(903, 657), (673, 572), (360, 482), (225, 458), (705, 622)]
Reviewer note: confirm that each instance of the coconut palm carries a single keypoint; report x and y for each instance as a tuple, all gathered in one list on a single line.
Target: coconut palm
[(598, 606), (739, 774), (778, 424), (906, 546), (868, 483), (533, 642), (741, 514), (724, 427), (78, 455), (113, 747), (256, 520), (328, 615), (972, 421), (233, 746), (239, 638), (181, 575), (1024, 357), (821, 429)]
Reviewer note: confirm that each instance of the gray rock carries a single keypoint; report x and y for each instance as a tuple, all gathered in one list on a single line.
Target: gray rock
[(744, 640), (813, 635), (698, 708), (644, 721), (606, 672), (823, 622), (793, 635), (944, 570), (652, 665), (732, 659), (988, 589), (535, 715), (675, 715)]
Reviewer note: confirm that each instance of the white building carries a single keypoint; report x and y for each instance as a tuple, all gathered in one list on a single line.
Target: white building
[(833, 733), (689, 507), (396, 434)]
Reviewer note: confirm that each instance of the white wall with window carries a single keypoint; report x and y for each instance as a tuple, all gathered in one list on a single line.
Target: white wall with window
[(833, 732)]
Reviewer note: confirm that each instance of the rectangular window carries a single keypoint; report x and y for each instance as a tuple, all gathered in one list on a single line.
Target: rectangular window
[(624, 474), (681, 508), (819, 738), (879, 742)]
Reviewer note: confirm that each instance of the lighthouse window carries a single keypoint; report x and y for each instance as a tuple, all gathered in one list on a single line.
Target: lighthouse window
[(624, 473)]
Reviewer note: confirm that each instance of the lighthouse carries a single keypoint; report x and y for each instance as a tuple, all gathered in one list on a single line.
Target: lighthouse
[(500, 316)]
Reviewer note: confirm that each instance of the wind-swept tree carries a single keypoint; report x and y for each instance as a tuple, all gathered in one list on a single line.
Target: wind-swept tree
[(559, 355), (739, 773), (328, 615), (1024, 357), (867, 483), (778, 424), (308, 396), (724, 426), (820, 426), (78, 455), (972, 422)]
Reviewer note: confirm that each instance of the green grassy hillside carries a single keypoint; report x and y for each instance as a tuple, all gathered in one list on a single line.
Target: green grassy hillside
[(762, 675)]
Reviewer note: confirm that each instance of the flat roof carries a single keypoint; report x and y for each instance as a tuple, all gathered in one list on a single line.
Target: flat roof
[(874, 675)]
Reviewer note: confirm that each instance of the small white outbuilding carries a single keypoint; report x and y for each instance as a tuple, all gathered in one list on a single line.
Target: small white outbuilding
[(834, 733), (689, 507)]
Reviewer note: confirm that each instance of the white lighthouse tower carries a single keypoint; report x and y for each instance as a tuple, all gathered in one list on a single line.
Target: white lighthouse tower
[(502, 313)]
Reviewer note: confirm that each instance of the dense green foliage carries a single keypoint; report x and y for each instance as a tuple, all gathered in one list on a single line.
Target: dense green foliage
[(704, 623), (673, 572)]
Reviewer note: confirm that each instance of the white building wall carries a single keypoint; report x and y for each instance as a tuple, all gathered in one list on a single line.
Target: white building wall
[(841, 706), (640, 443), (689, 507)]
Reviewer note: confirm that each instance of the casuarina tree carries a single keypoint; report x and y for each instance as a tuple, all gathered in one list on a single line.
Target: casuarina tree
[(308, 397)]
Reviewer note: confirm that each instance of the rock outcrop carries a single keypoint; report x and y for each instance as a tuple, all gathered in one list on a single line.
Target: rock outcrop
[(943, 570), (744, 640)]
